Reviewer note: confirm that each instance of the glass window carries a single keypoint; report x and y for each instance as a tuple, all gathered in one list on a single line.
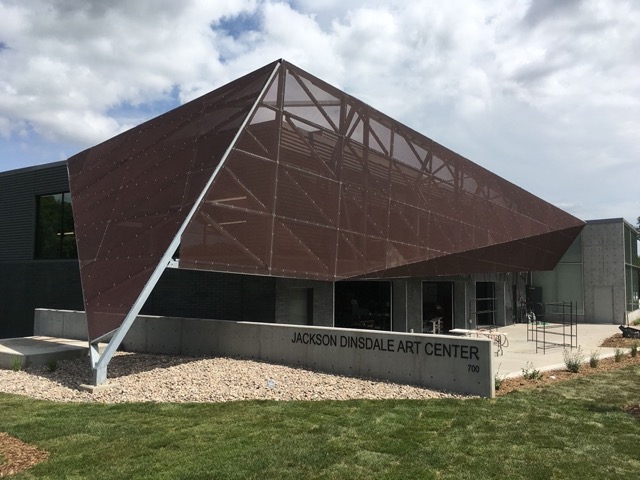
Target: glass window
[(631, 246), (55, 236), (565, 282), (569, 285), (363, 304), (574, 252), (632, 288)]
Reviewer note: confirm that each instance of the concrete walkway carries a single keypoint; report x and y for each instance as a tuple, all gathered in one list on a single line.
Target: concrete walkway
[(519, 352), (32, 350)]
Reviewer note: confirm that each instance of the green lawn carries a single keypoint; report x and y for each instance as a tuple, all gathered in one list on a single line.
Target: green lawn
[(577, 429)]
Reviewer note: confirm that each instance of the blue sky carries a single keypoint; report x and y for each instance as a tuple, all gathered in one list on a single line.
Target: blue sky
[(546, 94)]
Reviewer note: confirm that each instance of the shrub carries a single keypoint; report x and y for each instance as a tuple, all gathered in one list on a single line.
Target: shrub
[(573, 359), (530, 373), (634, 349), (594, 359), (498, 379), (16, 364), (52, 365), (618, 354)]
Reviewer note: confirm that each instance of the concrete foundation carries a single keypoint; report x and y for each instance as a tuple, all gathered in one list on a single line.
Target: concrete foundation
[(455, 364)]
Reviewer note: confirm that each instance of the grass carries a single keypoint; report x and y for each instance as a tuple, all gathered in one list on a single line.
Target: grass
[(574, 429)]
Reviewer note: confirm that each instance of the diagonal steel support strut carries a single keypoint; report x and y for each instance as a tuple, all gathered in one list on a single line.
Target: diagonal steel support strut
[(100, 360)]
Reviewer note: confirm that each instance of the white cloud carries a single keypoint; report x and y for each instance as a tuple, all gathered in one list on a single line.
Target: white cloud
[(67, 63), (546, 93)]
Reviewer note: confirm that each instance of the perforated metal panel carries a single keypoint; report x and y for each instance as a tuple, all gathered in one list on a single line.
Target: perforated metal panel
[(132, 193), (318, 185), (322, 186)]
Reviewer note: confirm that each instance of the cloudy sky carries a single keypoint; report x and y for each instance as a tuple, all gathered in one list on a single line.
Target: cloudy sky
[(545, 93)]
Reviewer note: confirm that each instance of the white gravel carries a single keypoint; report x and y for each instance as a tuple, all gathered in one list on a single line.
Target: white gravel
[(165, 378)]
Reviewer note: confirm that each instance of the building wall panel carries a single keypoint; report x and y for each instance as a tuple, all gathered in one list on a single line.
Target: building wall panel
[(18, 192), (603, 249)]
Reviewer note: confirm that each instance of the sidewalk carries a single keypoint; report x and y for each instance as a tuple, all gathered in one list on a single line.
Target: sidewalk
[(520, 351)]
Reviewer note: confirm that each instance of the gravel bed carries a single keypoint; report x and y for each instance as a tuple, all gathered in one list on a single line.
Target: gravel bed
[(166, 378)]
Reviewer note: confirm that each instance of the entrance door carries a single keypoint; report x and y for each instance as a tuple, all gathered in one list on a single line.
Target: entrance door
[(485, 303), (437, 302), (302, 306), (363, 304), (603, 304)]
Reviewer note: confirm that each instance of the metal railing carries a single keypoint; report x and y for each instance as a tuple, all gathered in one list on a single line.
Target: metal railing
[(558, 327)]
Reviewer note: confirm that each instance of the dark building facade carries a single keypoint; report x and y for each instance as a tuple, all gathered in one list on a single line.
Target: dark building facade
[(37, 272), (29, 276)]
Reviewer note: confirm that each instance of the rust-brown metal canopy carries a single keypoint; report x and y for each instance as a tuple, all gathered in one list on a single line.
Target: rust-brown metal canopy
[(280, 174)]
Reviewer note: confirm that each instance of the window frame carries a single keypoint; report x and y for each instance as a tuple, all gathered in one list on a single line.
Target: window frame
[(62, 226)]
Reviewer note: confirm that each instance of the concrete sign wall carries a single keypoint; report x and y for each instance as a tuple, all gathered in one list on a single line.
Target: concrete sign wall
[(444, 362)]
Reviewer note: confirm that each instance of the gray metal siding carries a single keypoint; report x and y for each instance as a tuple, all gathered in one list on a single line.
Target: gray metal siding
[(18, 192), (25, 286), (25, 283), (220, 296)]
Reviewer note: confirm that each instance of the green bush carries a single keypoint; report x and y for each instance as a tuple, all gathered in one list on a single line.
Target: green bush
[(594, 359), (618, 354), (52, 365), (16, 364), (634, 349), (530, 373), (573, 359)]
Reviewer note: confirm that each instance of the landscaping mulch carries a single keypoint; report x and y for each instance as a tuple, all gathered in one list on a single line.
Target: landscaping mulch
[(604, 365), (16, 455)]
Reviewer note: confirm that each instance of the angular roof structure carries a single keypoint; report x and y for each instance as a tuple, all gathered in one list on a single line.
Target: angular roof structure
[(280, 174)]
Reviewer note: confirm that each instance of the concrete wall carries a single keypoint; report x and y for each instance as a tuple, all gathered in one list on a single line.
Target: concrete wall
[(501, 304), (60, 323), (435, 361), (414, 304), (603, 277), (322, 302), (460, 304), (399, 305)]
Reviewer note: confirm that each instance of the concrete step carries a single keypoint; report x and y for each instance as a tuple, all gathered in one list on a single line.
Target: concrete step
[(27, 351)]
